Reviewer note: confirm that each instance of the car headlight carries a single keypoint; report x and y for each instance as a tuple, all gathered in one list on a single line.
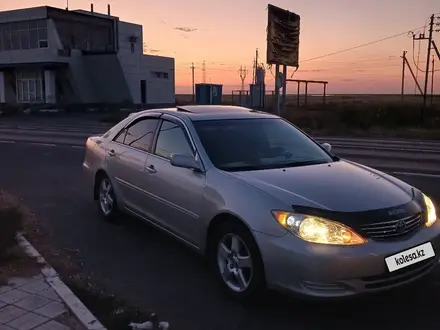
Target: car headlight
[(430, 209), (317, 230)]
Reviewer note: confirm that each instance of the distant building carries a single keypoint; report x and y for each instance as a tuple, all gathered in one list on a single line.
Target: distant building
[(51, 55)]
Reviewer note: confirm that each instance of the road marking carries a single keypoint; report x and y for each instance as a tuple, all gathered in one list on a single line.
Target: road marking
[(426, 175), (78, 147), (44, 144), (27, 127), (384, 148), (1, 141)]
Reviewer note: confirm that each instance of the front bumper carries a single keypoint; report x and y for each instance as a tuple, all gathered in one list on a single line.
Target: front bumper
[(295, 266)]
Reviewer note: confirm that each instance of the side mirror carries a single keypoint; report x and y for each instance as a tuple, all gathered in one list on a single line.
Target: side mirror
[(185, 161), (327, 146)]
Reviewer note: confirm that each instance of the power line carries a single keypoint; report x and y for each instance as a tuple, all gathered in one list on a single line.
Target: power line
[(362, 45)]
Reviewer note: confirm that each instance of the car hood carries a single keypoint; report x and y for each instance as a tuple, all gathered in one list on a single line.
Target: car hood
[(339, 186)]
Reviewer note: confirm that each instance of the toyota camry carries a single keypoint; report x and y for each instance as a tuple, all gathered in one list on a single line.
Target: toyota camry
[(268, 205)]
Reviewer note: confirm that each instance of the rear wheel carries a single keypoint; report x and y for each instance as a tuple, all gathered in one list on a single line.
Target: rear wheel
[(237, 262), (107, 205)]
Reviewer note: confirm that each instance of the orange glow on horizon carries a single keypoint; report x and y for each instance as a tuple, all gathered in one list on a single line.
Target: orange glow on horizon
[(194, 31)]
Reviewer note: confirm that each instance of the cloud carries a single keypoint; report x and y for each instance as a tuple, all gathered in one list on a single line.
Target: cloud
[(314, 70), (348, 80), (185, 29)]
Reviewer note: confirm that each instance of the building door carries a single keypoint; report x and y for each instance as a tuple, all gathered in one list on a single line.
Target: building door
[(29, 86), (143, 91)]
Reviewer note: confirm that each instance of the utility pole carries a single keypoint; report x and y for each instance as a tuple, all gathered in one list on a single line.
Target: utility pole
[(432, 80), (243, 73), (403, 73), (193, 86), (413, 75), (428, 62), (278, 85), (204, 72), (256, 65), (284, 88), (254, 70), (428, 58)]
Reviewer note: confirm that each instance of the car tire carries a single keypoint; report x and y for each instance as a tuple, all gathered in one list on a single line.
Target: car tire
[(236, 261), (107, 204)]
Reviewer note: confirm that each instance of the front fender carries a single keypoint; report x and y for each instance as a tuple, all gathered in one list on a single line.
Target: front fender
[(225, 194)]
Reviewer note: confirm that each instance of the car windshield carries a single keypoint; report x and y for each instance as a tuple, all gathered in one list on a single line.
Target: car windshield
[(257, 144)]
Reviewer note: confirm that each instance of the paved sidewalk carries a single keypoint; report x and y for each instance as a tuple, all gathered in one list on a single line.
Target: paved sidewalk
[(31, 303)]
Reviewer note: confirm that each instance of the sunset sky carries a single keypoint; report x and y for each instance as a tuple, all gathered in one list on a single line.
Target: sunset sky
[(226, 33)]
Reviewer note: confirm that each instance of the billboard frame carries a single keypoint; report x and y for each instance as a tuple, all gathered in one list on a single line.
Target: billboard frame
[(283, 31)]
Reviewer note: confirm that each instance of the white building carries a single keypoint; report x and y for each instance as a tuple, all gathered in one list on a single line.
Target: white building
[(53, 55)]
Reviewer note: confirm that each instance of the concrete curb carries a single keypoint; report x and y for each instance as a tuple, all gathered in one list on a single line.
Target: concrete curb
[(82, 313)]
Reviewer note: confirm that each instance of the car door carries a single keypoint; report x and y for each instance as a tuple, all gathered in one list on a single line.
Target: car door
[(176, 192), (126, 157)]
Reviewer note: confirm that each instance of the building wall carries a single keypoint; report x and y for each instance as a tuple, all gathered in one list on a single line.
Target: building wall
[(137, 67), (158, 71), (130, 56), (107, 78), (78, 75)]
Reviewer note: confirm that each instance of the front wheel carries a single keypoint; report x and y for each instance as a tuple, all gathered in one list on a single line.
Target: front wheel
[(237, 261), (107, 205)]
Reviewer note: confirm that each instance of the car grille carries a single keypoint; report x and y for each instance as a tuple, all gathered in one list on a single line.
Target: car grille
[(392, 229)]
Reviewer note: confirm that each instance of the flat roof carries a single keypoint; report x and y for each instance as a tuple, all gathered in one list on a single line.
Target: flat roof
[(46, 8)]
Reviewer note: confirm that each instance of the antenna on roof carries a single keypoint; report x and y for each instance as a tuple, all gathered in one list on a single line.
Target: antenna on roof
[(67, 4)]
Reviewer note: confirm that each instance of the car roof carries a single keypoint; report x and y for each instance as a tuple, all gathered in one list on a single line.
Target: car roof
[(212, 112)]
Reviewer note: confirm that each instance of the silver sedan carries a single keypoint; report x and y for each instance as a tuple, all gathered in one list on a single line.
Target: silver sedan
[(265, 203)]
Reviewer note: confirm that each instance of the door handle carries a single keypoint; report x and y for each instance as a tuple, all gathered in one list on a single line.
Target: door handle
[(150, 169), (111, 153)]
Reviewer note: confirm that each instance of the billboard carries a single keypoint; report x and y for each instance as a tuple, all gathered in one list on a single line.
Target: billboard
[(282, 37)]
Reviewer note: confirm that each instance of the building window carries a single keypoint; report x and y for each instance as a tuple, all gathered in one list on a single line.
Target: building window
[(160, 75), (23, 35), (88, 34), (29, 86)]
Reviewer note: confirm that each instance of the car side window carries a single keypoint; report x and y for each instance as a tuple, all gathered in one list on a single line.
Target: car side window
[(172, 139), (121, 136), (140, 134)]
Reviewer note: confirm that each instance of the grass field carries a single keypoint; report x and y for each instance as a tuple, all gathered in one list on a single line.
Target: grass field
[(291, 99), (358, 115)]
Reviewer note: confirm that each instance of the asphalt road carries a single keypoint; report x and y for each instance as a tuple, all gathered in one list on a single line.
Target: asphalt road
[(155, 272)]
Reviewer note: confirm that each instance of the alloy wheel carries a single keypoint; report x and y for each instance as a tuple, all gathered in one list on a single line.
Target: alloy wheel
[(234, 262), (106, 199)]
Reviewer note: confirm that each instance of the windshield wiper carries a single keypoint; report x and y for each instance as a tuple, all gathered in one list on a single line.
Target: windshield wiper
[(304, 163), (271, 166)]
